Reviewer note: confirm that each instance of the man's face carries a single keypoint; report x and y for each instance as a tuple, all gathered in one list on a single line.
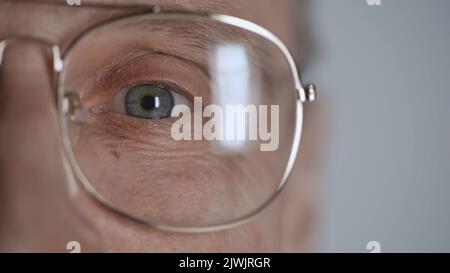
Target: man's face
[(40, 209)]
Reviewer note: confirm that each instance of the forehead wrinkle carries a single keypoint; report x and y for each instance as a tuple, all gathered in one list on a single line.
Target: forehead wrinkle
[(80, 18)]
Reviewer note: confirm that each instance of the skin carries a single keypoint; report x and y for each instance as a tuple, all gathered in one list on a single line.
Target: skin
[(42, 207)]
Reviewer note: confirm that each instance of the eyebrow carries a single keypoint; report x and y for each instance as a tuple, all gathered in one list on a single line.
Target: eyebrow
[(206, 41)]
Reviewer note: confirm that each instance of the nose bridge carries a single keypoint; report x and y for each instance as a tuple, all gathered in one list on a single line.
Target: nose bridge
[(55, 50), (28, 119), (56, 60), (32, 177)]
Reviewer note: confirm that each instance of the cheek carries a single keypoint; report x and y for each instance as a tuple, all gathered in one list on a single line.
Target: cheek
[(114, 234), (181, 183), (117, 234), (241, 239), (158, 179)]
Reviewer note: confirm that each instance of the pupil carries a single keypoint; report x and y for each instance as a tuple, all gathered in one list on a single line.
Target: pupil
[(148, 103)]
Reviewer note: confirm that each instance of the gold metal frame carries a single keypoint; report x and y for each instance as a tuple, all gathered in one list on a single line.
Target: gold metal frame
[(303, 94)]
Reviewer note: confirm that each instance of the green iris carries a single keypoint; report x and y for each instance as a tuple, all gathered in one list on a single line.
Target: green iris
[(149, 102)]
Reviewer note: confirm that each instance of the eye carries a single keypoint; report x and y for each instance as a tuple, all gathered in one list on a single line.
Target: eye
[(149, 101)]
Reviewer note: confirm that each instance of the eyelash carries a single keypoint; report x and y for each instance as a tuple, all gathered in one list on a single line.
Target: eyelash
[(166, 85)]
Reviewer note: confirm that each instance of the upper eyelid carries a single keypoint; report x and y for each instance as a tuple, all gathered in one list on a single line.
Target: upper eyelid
[(108, 73), (122, 63), (94, 89)]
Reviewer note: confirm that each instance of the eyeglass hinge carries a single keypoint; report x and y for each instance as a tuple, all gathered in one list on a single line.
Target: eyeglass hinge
[(308, 93)]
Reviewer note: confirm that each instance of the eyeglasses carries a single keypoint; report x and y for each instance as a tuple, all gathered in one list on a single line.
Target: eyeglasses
[(181, 121)]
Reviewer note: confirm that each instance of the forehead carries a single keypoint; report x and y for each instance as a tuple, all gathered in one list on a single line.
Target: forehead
[(60, 22)]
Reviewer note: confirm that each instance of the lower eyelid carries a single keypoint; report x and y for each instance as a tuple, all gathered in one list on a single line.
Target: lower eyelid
[(115, 127)]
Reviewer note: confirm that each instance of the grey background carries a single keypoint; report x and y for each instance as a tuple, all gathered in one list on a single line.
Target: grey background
[(384, 76)]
